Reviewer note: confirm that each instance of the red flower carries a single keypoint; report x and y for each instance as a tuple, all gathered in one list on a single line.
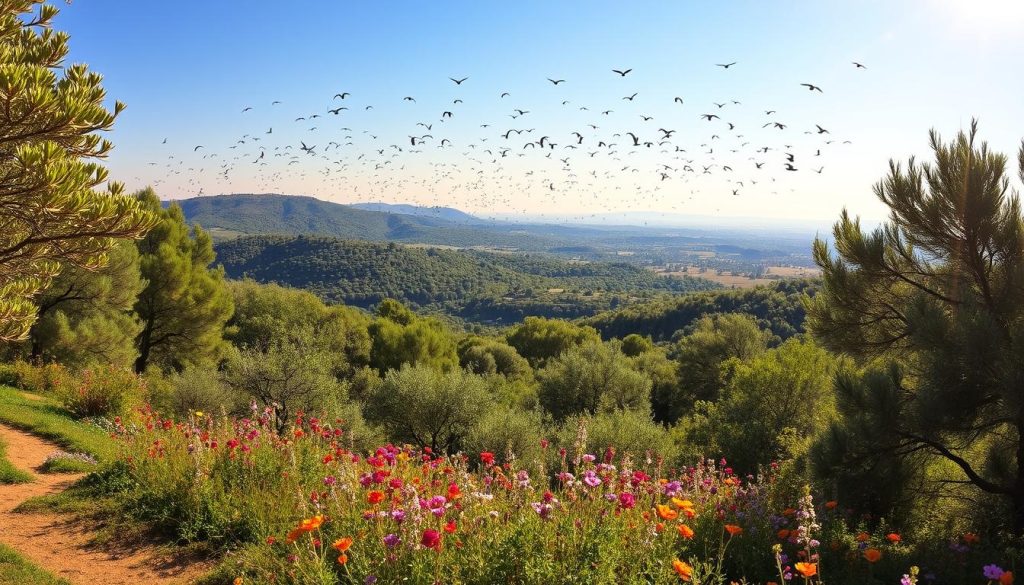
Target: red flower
[(487, 458), (450, 527), (431, 539), (893, 537), (375, 497)]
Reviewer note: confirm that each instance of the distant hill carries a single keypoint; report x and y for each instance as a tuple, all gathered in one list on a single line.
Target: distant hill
[(445, 213), (228, 216), (472, 285)]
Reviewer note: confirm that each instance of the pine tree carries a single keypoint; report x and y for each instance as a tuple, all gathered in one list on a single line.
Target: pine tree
[(935, 295), (86, 315), (185, 304), (50, 119)]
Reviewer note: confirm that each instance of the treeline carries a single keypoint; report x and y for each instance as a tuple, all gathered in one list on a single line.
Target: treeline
[(473, 285), (778, 307)]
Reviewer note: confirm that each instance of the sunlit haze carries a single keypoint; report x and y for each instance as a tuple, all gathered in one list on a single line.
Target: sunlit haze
[(188, 72)]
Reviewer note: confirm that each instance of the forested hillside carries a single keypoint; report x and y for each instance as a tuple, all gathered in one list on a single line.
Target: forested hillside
[(477, 286), (778, 307), (227, 216)]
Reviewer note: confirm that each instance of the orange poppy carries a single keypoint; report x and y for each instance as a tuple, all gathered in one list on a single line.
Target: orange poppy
[(343, 543), (684, 570), (893, 537), (294, 534), (685, 531), (831, 504), (863, 537), (807, 569), (732, 529), (872, 555), (375, 497), (783, 534), (342, 559), (666, 513), (971, 538), (682, 504), (1006, 578)]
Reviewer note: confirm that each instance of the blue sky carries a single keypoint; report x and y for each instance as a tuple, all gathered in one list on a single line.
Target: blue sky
[(186, 69)]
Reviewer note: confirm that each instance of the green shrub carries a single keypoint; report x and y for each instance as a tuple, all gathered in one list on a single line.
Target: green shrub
[(41, 379), (103, 391)]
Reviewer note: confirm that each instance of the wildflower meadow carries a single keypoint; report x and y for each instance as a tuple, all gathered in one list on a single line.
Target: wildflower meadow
[(306, 506)]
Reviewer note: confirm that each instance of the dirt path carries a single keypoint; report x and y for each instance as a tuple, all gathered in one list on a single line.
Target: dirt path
[(62, 546)]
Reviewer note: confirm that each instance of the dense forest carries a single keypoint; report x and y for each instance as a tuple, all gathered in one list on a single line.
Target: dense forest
[(778, 308), (472, 285)]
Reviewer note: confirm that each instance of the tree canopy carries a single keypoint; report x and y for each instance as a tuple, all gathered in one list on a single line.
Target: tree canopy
[(935, 296), (51, 210)]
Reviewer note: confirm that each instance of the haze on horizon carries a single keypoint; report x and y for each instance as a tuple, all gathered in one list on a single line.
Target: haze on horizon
[(928, 63)]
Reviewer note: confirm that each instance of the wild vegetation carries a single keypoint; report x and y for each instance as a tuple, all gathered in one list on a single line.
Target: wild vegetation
[(867, 427), (472, 285)]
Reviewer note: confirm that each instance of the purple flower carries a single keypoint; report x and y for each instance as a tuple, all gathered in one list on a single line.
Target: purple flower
[(543, 510), (591, 479), (992, 572), (398, 515), (589, 458), (906, 580), (391, 540)]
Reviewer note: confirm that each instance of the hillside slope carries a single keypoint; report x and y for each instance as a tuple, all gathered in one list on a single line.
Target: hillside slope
[(474, 285)]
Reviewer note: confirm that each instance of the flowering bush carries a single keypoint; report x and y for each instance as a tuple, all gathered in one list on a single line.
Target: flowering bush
[(102, 391), (304, 507)]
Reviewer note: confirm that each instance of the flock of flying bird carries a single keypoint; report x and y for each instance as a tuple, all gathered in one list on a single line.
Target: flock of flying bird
[(619, 148)]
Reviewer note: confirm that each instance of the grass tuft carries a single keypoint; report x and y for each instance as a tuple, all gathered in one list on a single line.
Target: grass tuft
[(16, 570)]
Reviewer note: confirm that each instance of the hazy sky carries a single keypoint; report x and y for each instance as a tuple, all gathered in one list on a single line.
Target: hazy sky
[(186, 69)]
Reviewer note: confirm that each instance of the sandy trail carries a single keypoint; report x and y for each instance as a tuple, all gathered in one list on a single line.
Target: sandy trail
[(62, 546)]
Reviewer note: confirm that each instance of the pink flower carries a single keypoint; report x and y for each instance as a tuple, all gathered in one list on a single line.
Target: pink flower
[(431, 539), (627, 500)]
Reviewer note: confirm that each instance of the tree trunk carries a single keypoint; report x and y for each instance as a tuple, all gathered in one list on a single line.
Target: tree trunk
[(1018, 492), (144, 346)]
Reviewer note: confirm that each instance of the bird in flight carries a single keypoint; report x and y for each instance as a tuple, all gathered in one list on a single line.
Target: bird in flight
[(275, 102), (335, 111), (197, 148), (505, 94), (247, 108), (678, 99), (342, 95), (629, 97), (858, 65), (822, 130), (708, 117), (408, 99), (790, 167), (812, 87), (725, 65), (458, 81), (556, 81), (621, 73)]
